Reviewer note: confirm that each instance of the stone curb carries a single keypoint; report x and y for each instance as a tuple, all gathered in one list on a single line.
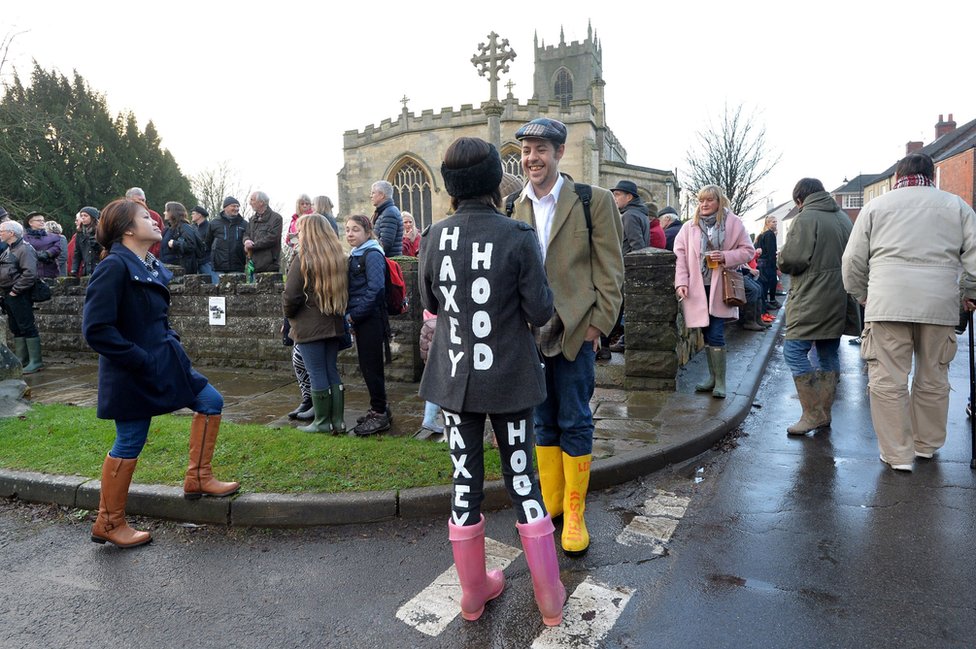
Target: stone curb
[(309, 510)]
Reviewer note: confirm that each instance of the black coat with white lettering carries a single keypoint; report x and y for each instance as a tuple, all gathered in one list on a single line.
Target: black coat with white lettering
[(482, 274)]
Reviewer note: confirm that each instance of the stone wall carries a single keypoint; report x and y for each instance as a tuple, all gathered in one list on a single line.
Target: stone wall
[(250, 338), (657, 341)]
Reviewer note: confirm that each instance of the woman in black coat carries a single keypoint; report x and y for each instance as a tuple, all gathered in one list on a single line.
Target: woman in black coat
[(482, 274), (181, 244), (142, 368)]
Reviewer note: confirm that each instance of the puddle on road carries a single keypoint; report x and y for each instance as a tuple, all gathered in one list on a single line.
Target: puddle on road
[(766, 587)]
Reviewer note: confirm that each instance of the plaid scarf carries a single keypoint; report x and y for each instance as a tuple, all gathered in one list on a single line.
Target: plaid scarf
[(152, 264), (914, 180)]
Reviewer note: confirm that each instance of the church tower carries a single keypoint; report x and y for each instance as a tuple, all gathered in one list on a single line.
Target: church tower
[(566, 72)]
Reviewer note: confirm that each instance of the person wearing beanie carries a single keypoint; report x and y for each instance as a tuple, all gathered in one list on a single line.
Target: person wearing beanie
[(225, 240), (483, 275), (87, 248), (587, 275)]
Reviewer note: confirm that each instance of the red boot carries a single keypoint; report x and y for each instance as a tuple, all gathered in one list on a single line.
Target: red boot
[(477, 585)]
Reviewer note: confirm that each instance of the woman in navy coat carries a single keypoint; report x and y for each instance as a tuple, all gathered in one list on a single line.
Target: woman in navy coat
[(142, 368)]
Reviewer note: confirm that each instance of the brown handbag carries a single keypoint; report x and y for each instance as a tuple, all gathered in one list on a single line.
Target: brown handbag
[(734, 288)]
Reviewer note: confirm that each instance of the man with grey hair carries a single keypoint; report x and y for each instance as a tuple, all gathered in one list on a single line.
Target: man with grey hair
[(18, 272), (671, 224), (136, 194), (387, 220), (262, 237)]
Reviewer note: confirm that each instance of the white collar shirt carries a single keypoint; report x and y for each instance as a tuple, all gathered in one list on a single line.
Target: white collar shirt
[(544, 210)]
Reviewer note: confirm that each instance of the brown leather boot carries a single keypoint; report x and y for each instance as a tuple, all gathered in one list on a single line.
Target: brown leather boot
[(199, 474), (110, 525)]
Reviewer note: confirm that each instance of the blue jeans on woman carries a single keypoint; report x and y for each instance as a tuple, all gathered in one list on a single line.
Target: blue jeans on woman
[(714, 333), (797, 355), (131, 434), (321, 362)]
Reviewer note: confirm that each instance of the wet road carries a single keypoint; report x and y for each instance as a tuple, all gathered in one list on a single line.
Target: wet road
[(767, 542)]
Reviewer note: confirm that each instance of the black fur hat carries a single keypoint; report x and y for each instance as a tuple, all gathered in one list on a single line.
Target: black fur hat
[(477, 180)]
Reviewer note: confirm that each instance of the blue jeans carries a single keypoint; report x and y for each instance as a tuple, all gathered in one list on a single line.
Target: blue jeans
[(714, 333), (131, 434), (321, 362), (797, 355), (564, 419)]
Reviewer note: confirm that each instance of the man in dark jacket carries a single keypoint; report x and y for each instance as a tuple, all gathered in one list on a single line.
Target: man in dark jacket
[(18, 272), (633, 215), (387, 220), (262, 239), (225, 240), (671, 224)]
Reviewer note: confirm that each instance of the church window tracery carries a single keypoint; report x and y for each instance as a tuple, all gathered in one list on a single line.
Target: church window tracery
[(411, 191), (563, 90)]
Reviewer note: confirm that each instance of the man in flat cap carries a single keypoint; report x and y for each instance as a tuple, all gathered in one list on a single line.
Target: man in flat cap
[(633, 215), (580, 235), (671, 224)]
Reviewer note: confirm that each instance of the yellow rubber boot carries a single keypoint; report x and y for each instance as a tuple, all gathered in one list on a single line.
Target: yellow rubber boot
[(551, 478), (576, 470)]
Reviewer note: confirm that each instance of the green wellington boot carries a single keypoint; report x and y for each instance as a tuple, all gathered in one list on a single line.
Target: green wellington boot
[(34, 352), (322, 404), (709, 384)]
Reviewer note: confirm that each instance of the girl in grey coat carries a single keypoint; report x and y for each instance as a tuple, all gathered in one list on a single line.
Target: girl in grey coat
[(482, 274)]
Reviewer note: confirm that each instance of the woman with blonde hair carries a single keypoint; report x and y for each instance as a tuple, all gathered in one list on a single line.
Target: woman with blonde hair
[(713, 240), (766, 242), (314, 301), (323, 205)]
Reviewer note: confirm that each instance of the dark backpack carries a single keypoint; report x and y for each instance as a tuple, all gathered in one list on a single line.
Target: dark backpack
[(585, 193), (396, 289)]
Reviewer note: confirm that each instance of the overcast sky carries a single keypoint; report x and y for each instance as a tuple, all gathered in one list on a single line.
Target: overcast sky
[(271, 86)]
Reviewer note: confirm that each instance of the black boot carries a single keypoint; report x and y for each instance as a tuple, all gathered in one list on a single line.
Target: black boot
[(306, 404)]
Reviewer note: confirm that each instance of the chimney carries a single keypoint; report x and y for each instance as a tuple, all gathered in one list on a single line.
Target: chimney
[(944, 127), (912, 147)]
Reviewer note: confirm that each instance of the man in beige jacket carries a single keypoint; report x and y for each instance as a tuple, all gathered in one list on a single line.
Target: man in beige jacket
[(581, 248), (903, 262)]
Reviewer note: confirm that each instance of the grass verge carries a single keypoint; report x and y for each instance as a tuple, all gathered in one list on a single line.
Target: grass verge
[(70, 440)]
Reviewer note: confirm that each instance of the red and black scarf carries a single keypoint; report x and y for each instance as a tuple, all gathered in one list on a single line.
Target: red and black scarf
[(914, 180)]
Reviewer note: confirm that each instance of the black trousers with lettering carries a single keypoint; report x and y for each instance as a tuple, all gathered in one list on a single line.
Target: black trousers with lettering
[(516, 444)]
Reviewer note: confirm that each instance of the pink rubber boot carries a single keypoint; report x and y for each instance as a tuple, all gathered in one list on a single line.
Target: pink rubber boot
[(540, 554), (477, 585)]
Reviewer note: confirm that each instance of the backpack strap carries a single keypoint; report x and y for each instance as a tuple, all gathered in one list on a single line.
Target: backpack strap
[(510, 202), (585, 193)]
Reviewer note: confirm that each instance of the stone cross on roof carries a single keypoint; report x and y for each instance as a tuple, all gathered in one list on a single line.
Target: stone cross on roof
[(492, 59)]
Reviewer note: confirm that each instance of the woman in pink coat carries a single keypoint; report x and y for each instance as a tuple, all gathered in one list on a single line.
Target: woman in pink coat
[(713, 240)]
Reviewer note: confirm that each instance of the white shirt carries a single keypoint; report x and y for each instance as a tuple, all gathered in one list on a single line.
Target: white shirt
[(544, 210)]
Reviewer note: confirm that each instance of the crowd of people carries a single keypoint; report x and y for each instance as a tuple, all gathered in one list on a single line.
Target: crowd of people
[(519, 334)]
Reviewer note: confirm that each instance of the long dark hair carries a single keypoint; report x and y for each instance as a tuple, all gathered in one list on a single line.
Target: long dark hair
[(116, 219)]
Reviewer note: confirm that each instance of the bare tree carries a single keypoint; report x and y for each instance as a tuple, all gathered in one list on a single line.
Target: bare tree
[(213, 184), (5, 44), (733, 156)]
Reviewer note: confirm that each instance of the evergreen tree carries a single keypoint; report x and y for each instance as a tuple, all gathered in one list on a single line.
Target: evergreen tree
[(60, 150)]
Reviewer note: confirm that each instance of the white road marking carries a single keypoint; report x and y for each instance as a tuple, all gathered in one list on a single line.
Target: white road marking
[(588, 616), (654, 528), (437, 605)]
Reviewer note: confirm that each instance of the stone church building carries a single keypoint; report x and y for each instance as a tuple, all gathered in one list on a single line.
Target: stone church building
[(568, 86)]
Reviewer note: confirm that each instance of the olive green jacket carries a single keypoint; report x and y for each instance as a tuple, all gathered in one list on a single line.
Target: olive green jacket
[(585, 269), (817, 305)]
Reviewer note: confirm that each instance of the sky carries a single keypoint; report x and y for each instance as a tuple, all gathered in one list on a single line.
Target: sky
[(269, 88)]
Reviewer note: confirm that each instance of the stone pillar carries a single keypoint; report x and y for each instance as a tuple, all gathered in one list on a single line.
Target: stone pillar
[(651, 325), (494, 109)]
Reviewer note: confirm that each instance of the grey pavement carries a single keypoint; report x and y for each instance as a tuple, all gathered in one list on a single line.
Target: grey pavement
[(637, 432)]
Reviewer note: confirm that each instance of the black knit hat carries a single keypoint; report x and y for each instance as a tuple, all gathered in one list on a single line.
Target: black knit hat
[(480, 179), (91, 211), (230, 200)]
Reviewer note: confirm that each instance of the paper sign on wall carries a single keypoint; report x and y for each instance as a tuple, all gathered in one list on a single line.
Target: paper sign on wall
[(218, 311)]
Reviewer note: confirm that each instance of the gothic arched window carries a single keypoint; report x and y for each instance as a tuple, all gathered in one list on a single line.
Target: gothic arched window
[(564, 88), (411, 191), (512, 161)]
